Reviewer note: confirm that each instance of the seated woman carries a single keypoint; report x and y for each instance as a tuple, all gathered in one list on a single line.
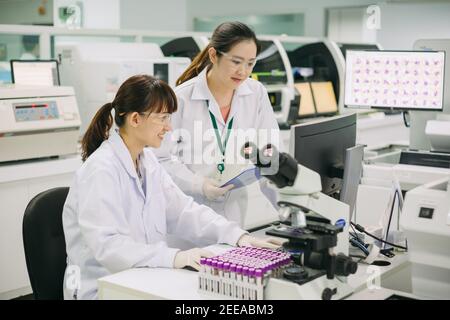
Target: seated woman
[(122, 203)]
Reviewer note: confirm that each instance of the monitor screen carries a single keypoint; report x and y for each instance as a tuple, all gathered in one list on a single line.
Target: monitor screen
[(324, 97), (408, 80), (161, 71), (321, 146), (306, 100), (35, 72), (275, 100)]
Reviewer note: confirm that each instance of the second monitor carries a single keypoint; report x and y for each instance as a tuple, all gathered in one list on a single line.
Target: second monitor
[(405, 80), (322, 145)]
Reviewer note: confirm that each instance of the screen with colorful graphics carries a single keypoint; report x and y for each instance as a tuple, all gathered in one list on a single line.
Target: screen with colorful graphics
[(395, 79)]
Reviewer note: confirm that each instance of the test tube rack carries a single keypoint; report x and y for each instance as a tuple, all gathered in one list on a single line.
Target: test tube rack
[(241, 273)]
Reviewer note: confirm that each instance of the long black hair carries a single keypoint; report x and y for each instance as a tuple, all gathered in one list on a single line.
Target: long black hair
[(224, 37), (140, 93)]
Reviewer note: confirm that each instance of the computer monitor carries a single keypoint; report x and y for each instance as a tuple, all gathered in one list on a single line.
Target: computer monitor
[(405, 80), (321, 145), (352, 176), (35, 72)]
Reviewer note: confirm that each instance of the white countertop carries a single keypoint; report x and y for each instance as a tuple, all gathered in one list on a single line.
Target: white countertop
[(178, 284), (152, 283), (29, 169), (365, 272)]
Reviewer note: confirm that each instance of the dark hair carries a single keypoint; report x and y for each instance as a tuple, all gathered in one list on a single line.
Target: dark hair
[(29, 42), (140, 93), (224, 37)]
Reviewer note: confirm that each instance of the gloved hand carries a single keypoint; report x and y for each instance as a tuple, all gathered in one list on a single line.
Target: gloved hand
[(212, 191), (190, 258), (269, 192), (249, 241)]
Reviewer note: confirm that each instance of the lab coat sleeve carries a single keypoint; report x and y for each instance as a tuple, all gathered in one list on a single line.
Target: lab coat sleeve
[(170, 157), (195, 222), (105, 228)]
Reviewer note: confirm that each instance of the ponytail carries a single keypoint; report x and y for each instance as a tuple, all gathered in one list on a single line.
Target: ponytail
[(200, 62), (98, 131), (139, 93)]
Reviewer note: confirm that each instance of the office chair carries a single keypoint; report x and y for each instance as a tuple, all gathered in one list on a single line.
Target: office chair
[(44, 243)]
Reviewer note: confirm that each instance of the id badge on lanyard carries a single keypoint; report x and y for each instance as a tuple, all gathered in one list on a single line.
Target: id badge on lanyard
[(222, 146)]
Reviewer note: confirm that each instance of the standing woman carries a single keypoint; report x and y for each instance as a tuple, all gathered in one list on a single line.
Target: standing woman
[(122, 202), (218, 102)]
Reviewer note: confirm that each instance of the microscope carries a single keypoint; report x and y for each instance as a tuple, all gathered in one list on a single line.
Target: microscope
[(314, 224)]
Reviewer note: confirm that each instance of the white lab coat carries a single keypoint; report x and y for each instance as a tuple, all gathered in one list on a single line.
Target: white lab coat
[(193, 136), (28, 56), (112, 222)]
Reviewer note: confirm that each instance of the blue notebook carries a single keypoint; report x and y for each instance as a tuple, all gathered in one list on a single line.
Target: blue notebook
[(245, 178)]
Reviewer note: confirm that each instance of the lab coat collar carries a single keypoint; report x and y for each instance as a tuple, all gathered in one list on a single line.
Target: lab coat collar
[(122, 152), (201, 92), (242, 90)]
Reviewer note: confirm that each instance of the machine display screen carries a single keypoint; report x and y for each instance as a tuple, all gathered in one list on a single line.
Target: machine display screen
[(269, 68), (395, 79), (35, 72), (36, 111), (275, 100), (426, 213), (161, 71)]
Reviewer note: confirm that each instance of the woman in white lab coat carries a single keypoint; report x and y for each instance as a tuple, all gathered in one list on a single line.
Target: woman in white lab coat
[(122, 202), (217, 100)]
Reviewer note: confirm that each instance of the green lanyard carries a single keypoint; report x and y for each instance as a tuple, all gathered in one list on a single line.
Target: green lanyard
[(222, 147)]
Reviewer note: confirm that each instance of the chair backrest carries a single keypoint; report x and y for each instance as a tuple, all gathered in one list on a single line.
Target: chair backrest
[(44, 243)]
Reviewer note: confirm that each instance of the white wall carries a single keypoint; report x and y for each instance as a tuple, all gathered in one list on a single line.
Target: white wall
[(314, 10), (25, 12), (96, 14), (349, 25), (179, 15), (159, 15), (403, 23)]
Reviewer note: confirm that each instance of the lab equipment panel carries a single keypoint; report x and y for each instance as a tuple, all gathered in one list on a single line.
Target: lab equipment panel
[(36, 111)]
